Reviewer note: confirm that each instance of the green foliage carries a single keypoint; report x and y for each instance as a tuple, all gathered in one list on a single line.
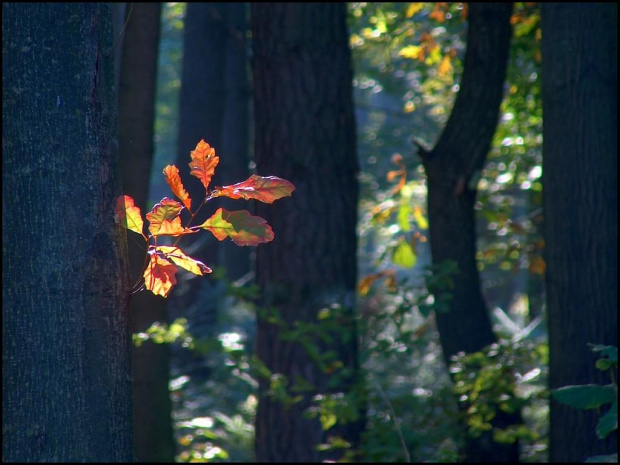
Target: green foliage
[(593, 396)]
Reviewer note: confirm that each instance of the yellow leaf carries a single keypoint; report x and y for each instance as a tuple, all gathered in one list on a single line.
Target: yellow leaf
[(404, 255), (413, 8), (129, 214), (410, 51), (179, 258), (419, 218)]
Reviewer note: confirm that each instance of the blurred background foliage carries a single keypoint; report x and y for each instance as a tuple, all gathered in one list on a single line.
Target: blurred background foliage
[(407, 60)]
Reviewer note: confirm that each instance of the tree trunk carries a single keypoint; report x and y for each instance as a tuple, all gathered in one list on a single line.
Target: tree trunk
[(234, 153), (66, 343), (452, 168), (201, 106), (153, 435), (305, 132), (580, 198), (213, 107)]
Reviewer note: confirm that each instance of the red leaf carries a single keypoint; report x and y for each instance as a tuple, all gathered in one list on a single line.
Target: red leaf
[(159, 276), (242, 227), (203, 163), (177, 256), (129, 214), (164, 219), (266, 189), (174, 181)]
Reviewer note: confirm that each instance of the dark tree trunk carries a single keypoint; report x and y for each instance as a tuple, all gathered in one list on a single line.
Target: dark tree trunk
[(153, 435), (234, 153), (201, 106), (66, 366), (213, 107), (304, 132), (580, 198), (452, 168)]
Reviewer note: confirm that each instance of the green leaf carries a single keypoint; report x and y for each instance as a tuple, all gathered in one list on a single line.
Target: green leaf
[(404, 255), (242, 227), (608, 422), (585, 397), (606, 351), (403, 217)]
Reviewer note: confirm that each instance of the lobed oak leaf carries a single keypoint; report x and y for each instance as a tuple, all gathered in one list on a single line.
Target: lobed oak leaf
[(174, 181), (164, 219), (265, 189), (159, 276), (177, 256), (203, 163), (242, 227), (129, 214)]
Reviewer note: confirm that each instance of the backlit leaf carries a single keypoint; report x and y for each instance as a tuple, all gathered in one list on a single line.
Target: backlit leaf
[(129, 214), (174, 181), (159, 276), (419, 218), (445, 67), (413, 8), (177, 256), (164, 219), (266, 189), (242, 227), (203, 163), (404, 255), (410, 51)]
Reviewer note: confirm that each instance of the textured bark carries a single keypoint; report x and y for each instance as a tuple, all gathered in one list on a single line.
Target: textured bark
[(456, 158), (580, 198), (65, 333), (304, 132), (153, 435)]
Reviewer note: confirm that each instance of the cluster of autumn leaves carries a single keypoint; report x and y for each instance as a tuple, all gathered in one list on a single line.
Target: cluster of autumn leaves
[(165, 220)]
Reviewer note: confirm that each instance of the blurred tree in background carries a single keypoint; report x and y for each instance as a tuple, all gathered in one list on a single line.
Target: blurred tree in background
[(305, 132)]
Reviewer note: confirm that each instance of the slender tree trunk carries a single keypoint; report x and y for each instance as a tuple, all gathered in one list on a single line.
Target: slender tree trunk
[(452, 168), (213, 107), (305, 132), (580, 198), (153, 435), (201, 109), (234, 153), (66, 365)]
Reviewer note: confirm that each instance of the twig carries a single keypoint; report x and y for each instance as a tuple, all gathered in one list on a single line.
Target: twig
[(396, 423)]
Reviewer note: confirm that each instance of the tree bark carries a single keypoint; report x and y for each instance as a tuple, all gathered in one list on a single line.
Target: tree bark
[(452, 168), (304, 132), (153, 435), (580, 199), (66, 341)]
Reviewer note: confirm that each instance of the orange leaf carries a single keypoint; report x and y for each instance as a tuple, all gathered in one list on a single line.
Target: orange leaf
[(266, 189), (159, 276), (174, 181), (203, 163), (129, 214), (177, 256), (445, 67), (164, 219), (242, 227)]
